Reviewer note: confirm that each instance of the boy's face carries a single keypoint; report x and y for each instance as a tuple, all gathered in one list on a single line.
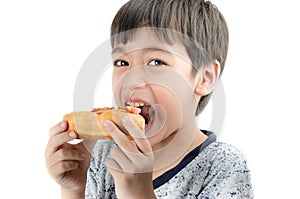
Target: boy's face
[(157, 77)]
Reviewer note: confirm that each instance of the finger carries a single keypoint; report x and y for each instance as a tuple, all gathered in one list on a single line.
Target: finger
[(58, 140), (59, 128), (119, 137), (112, 165), (137, 134), (131, 163), (64, 154), (61, 167), (121, 158)]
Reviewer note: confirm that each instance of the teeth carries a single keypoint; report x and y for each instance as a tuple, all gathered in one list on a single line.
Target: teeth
[(141, 104), (135, 104)]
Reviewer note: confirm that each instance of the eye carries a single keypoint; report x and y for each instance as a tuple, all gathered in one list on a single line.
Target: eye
[(156, 62), (120, 63)]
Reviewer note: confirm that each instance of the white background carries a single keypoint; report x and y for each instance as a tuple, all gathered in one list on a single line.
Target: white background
[(44, 43)]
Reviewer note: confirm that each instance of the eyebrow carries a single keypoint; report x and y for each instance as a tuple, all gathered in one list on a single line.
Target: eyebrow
[(117, 50), (150, 48)]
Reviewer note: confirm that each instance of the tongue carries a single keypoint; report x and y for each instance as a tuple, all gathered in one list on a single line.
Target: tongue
[(145, 113)]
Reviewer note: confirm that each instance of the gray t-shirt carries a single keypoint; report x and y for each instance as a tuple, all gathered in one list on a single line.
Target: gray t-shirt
[(212, 170)]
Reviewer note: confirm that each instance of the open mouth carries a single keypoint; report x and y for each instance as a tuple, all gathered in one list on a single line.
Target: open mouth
[(146, 111)]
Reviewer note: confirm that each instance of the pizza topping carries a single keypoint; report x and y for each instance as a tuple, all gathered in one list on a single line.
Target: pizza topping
[(101, 110), (144, 110), (132, 109)]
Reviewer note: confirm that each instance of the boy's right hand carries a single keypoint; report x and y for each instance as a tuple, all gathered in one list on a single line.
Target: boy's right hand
[(67, 163)]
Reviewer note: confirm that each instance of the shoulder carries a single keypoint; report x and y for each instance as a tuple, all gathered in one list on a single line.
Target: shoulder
[(221, 158), (218, 171), (223, 153), (227, 171)]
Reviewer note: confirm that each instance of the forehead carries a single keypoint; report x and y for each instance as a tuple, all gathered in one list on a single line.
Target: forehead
[(148, 38)]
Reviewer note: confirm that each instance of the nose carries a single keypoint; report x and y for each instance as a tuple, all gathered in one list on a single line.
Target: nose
[(134, 78)]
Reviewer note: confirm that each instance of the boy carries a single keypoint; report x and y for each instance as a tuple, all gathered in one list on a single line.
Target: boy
[(167, 57)]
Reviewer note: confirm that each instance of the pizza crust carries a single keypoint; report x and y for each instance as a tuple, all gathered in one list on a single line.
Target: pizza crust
[(89, 125)]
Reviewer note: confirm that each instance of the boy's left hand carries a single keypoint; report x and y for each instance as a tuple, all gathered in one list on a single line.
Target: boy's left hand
[(131, 163)]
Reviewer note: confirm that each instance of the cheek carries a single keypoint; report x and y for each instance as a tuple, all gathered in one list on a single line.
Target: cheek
[(179, 103), (114, 80), (118, 75), (117, 81), (116, 89), (170, 102)]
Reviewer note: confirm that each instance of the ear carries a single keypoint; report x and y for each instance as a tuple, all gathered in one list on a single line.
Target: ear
[(206, 78)]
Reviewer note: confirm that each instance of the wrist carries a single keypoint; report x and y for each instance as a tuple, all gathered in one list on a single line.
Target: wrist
[(71, 194), (138, 193)]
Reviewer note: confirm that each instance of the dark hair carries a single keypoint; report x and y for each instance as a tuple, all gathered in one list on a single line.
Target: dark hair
[(198, 20)]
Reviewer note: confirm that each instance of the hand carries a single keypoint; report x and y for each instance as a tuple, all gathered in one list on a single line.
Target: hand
[(67, 163), (131, 163)]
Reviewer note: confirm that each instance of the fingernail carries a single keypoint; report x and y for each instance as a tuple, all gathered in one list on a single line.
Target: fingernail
[(83, 155), (107, 124), (125, 118), (63, 124), (72, 134)]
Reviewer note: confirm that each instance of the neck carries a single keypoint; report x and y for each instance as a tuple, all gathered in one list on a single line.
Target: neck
[(178, 147)]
